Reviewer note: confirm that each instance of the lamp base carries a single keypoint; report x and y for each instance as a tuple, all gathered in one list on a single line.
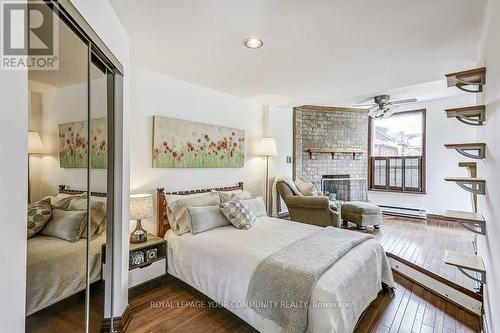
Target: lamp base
[(139, 235)]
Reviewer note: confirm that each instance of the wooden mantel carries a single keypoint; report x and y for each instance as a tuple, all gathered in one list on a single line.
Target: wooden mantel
[(334, 150)]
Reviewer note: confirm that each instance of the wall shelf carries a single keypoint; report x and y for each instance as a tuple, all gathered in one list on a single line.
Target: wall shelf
[(473, 77), (472, 185), (471, 115), (466, 261), (333, 151), (464, 148), (471, 221)]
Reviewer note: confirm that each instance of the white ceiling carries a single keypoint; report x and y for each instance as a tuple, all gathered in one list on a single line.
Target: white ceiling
[(315, 52)]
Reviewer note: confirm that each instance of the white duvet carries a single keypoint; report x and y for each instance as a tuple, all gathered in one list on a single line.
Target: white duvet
[(220, 264)]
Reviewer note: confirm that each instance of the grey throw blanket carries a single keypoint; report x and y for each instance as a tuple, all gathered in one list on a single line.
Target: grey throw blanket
[(282, 284)]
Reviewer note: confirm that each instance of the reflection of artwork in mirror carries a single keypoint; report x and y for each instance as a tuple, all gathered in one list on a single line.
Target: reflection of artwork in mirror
[(186, 144), (73, 144)]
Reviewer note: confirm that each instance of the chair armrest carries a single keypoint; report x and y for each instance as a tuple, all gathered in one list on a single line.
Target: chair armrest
[(307, 202)]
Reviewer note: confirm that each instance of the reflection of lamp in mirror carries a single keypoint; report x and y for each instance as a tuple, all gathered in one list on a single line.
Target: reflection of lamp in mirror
[(35, 146), (267, 147), (141, 207)]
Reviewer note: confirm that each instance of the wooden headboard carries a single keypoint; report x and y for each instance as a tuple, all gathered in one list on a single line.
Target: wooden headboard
[(162, 224), (64, 189)]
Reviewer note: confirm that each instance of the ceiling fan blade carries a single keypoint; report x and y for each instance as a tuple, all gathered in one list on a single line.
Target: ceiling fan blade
[(403, 101), (364, 105)]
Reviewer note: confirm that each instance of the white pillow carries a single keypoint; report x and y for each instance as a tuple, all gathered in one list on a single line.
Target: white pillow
[(181, 222), (257, 206), (305, 187), (227, 195), (206, 218)]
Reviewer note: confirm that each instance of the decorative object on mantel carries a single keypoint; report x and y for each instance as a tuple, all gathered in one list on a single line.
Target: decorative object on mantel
[(473, 77), (141, 207), (383, 106), (470, 115), (35, 146), (74, 144), (267, 147), (333, 151), (187, 144)]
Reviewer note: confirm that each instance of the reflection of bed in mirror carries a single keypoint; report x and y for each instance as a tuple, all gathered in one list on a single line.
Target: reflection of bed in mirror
[(56, 267)]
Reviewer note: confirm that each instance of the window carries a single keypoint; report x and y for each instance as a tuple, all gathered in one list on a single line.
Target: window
[(397, 152)]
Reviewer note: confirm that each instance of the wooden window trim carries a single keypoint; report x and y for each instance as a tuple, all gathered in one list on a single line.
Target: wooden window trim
[(371, 186)]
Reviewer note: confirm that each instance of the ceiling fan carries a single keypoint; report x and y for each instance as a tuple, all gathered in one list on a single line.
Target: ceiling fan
[(383, 106)]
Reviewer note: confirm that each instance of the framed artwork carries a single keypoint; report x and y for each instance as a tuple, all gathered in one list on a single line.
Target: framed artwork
[(74, 144), (187, 144)]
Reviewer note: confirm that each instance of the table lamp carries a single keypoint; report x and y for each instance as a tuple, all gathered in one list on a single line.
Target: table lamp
[(141, 207)]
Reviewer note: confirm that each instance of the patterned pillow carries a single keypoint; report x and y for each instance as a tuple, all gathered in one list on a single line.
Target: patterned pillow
[(39, 213), (238, 213)]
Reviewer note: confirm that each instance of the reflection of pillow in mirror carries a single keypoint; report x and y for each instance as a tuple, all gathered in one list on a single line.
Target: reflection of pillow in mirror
[(66, 224), (97, 213), (39, 214), (60, 202)]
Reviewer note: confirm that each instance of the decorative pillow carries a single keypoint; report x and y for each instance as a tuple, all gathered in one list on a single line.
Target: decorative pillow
[(228, 195), (66, 224), (257, 206), (179, 209), (305, 187), (206, 218), (238, 213), (60, 202), (39, 214), (97, 213)]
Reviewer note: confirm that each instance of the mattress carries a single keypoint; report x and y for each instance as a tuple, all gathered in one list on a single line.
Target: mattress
[(56, 269), (220, 264)]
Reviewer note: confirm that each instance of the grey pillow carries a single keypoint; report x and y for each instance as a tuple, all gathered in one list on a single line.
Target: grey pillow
[(206, 218), (182, 221), (238, 213), (257, 206), (39, 214), (66, 224), (97, 213)]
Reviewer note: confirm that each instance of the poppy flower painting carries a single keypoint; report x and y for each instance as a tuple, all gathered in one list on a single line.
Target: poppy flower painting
[(74, 144), (186, 144)]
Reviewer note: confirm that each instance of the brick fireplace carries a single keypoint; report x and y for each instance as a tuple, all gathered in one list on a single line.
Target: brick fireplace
[(343, 174)]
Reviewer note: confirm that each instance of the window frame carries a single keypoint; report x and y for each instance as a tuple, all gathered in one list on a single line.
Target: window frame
[(387, 187)]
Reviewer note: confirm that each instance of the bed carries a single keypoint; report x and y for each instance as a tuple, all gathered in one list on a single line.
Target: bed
[(56, 268), (220, 263)]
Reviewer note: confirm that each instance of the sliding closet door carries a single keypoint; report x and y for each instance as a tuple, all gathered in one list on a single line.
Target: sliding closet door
[(99, 145), (57, 255)]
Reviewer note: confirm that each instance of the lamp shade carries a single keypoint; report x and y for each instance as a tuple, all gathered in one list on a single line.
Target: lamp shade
[(35, 145), (141, 206), (267, 147)]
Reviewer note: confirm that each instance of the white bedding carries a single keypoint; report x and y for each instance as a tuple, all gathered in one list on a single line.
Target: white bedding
[(220, 263)]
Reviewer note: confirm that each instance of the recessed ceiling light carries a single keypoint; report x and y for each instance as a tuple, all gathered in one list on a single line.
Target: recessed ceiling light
[(253, 43)]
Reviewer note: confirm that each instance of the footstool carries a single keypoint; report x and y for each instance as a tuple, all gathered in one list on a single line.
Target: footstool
[(363, 214)]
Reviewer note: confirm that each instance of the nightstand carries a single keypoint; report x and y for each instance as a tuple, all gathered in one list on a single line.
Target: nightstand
[(147, 261)]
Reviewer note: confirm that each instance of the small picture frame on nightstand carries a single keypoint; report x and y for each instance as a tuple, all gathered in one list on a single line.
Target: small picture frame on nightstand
[(151, 254)]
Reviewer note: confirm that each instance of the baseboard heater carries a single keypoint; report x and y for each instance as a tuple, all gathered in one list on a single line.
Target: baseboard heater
[(404, 211)]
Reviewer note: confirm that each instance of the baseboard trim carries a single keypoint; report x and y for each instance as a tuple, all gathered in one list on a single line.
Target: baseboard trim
[(120, 324), (440, 217)]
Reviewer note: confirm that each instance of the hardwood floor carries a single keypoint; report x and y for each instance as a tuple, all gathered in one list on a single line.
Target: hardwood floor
[(423, 242), (169, 305)]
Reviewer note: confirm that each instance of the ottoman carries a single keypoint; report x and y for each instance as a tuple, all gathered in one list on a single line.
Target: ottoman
[(363, 214)]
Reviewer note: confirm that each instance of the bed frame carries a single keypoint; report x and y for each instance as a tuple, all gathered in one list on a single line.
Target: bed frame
[(162, 224), (64, 189)]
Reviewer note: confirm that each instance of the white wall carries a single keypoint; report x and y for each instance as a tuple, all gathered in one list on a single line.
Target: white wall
[(13, 198), (160, 95), (440, 162), (489, 246)]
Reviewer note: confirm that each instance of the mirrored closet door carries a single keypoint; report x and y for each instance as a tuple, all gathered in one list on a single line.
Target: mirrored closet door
[(70, 211)]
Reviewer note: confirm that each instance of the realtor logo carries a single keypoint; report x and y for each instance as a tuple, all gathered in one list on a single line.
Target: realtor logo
[(30, 36)]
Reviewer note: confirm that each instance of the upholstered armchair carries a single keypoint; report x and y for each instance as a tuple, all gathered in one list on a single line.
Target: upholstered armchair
[(314, 210)]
